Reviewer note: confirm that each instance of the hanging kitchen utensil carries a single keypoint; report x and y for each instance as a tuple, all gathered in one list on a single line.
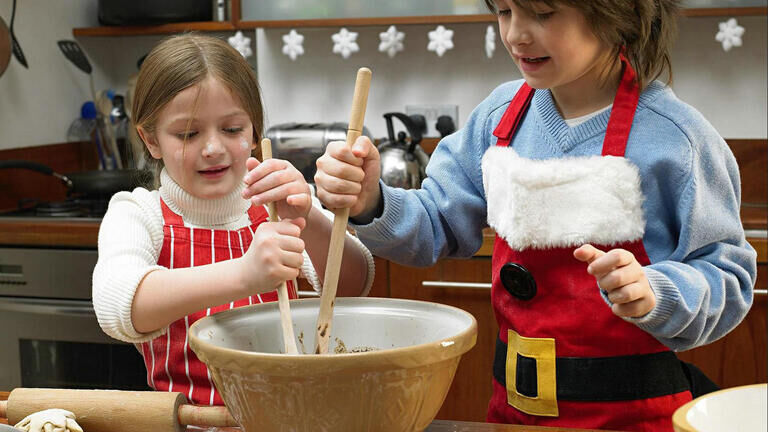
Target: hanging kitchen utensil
[(5, 46), (17, 52), (403, 163), (339, 230), (75, 54), (289, 339)]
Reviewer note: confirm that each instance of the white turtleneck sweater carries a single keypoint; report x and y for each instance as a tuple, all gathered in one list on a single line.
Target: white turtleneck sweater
[(131, 237)]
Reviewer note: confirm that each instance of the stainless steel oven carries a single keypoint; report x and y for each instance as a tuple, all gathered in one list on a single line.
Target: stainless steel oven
[(49, 336)]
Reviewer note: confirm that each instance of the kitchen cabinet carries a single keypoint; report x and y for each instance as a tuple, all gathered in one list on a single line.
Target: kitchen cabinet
[(251, 14)]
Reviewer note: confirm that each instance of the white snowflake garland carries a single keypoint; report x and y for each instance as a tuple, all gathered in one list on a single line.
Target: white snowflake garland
[(490, 41), (241, 43), (440, 40), (391, 41), (293, 44), (730, 34), (345, 43)]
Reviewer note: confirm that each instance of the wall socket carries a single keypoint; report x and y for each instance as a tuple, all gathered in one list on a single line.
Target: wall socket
[(431, 112)]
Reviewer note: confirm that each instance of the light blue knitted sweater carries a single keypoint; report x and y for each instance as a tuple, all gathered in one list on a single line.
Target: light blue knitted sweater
[(702, 268)]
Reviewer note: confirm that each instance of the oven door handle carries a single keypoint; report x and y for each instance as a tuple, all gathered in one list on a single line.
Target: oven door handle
[(78, 308)]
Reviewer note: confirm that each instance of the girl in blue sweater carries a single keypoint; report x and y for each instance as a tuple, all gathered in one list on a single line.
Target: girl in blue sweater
[(616, 209)]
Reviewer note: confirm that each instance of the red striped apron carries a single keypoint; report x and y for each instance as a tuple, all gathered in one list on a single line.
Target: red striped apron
[(171, 364)]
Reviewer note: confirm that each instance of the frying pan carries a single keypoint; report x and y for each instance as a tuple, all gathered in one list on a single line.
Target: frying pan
[(5, 46), (90, 183)]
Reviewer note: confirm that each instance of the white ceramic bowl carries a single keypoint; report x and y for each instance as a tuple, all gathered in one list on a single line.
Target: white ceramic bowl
[(399, 387), (737, 409)]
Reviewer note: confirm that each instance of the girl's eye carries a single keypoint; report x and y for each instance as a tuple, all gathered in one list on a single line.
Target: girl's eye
[(504, 12), (544, 15), (186, 135), (233, 130)]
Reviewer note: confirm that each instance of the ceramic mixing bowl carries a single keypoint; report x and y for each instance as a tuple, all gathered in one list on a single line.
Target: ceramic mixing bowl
[(734, 409), (398, 387)]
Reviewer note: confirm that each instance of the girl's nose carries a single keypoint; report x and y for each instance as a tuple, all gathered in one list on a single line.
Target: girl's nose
[(213, 148)]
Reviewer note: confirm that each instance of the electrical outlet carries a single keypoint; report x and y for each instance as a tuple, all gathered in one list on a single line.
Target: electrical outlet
[(431, 112)]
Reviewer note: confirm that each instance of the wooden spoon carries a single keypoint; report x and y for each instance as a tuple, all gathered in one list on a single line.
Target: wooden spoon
[(338, 232), (289, 338)]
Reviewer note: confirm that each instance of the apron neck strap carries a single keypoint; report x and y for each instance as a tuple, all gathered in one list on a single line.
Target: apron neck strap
[(619, 124)]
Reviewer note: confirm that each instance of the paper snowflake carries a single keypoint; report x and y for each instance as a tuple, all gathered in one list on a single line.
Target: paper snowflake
[(730, 34), (490, 41), (241, 43), (391, 41), (440, 40), (344, 43), (293, 44)]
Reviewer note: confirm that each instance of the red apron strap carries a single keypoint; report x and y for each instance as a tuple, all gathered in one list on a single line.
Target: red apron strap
[(257, 214), (513, 115), (169, 217), (622, 113)]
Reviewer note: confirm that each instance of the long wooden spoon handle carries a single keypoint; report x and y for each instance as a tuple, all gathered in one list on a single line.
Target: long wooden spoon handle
[(338, 232), (289, 338), (210, 416)]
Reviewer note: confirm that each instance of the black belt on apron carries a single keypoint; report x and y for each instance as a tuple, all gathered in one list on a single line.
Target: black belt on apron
[(595, 379)]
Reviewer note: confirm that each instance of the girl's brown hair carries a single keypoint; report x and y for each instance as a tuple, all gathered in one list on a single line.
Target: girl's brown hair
[(646, 29), (180, 62)]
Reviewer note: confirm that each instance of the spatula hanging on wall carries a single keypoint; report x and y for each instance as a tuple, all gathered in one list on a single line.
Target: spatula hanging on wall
[(16, 48)]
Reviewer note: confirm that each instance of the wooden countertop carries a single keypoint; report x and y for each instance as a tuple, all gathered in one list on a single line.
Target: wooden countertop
[(448, 426)]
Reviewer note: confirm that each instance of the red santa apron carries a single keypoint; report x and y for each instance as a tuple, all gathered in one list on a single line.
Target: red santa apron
[(562, 357), (171, 364)]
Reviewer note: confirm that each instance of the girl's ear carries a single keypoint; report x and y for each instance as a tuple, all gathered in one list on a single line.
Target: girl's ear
[(150, 142)]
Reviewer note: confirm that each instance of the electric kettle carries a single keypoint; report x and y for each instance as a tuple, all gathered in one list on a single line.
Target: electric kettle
[(403, 162)]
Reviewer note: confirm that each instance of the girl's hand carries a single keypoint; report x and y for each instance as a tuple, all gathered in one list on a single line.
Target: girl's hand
[(274, 256), (349, 178), (620, 275), (277, 181)]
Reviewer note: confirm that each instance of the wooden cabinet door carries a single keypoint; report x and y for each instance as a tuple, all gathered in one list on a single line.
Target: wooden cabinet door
[(466, 285)]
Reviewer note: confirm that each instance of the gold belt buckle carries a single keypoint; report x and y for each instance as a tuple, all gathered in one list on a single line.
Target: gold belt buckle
[(543, 351)]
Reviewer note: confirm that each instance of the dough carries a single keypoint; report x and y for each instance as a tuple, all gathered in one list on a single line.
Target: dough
[(50, 420)]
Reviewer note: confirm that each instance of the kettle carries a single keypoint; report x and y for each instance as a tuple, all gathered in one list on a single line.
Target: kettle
[(403, 163)]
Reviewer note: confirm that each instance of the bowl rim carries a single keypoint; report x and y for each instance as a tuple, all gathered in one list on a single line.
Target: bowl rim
[(459, 343), (680, 417)]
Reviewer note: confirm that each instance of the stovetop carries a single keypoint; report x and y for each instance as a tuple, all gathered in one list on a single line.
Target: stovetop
[(72, 208)]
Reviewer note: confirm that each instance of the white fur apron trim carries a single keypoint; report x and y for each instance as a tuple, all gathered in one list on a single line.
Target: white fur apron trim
[(562, 202)]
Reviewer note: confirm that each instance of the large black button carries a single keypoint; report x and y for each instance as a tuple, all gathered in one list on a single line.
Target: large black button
[(518, 281)]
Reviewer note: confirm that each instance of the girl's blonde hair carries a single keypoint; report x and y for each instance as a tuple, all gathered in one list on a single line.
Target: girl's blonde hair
[(180, 62), (644, 29)]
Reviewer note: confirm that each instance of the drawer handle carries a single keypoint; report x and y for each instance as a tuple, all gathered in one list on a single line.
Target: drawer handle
[(304, 294), (761, 292), (470, 285)]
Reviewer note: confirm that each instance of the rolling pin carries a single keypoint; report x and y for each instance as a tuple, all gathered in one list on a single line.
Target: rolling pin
[(116, 410)]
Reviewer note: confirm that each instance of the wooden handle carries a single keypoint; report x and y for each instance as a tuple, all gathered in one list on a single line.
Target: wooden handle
[(341, 216), (102, 410), (289, 338), (116, 411), (209, 416)]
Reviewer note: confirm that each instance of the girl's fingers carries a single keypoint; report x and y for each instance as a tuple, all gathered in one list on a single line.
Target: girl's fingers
[(302, 200), (291, 244), (251, 163), (264, 169), (293, 260)]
